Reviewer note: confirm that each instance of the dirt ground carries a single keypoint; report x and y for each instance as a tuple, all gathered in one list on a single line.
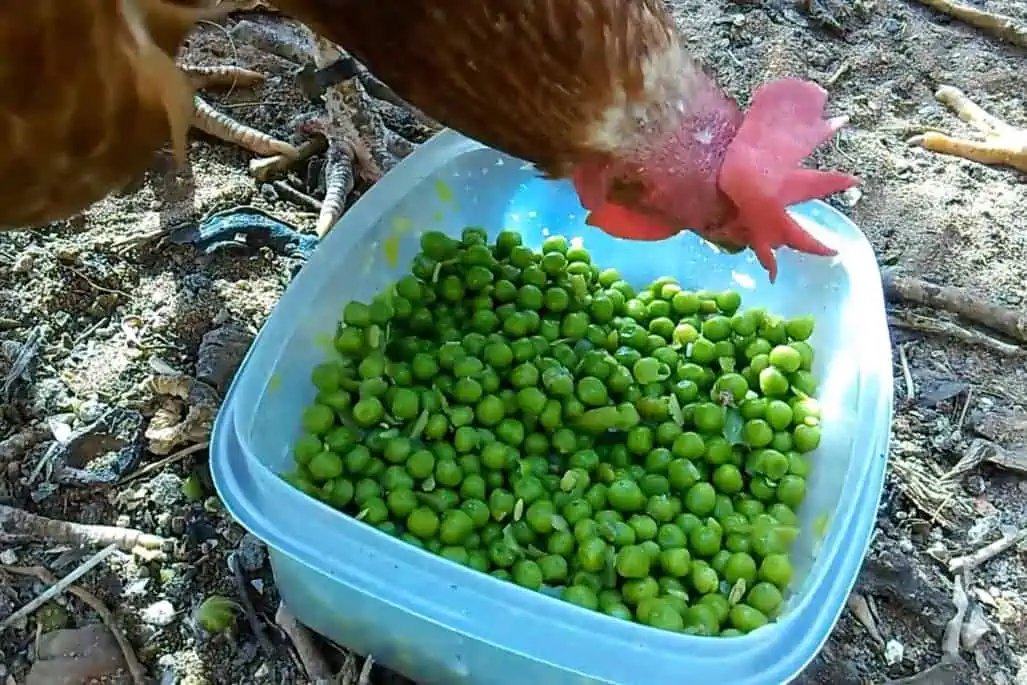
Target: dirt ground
[(87, 323)]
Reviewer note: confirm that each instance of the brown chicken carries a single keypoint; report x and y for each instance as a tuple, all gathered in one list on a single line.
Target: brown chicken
[(90, 91), (598, 91), (604, 93)]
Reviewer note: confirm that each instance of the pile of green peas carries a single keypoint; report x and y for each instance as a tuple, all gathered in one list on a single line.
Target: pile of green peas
[(533, 416)]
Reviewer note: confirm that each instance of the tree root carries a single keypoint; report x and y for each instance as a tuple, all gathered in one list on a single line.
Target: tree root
[(317, 668), (17, 525), (914, 291), (967, 336)]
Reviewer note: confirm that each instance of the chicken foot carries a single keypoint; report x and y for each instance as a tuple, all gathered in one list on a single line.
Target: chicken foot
[(350, 129), (220, 125), (1003, 145), (358, 145), (358, 140), (999, 25)]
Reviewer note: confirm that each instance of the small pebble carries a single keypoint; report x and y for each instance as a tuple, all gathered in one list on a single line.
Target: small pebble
[(91, 410), (23, 264), (893, 652), (251, 553), (163, 521), (8, 557), (851, 197), (166, 490), (160, 613), (137, 588)]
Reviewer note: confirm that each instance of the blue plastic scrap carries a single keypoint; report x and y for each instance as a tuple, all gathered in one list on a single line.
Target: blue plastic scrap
[(247, 228)]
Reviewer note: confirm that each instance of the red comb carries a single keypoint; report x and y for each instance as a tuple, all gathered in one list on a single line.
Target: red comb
[(761, 173)]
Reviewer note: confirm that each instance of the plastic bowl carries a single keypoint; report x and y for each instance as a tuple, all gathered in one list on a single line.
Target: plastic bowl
[(441, 623)]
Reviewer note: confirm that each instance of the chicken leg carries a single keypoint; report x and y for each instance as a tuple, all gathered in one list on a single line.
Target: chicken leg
[(363, 135), (218, 124), (359, 143), (1003, 145), (999, 25)]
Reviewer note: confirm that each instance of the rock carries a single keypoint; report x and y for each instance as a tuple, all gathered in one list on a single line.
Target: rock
[(251, 553), (92, 410), (221, 351), (851, 197), (160, 613), (893, 652), (77, 656), (165, 490), (23, 264)]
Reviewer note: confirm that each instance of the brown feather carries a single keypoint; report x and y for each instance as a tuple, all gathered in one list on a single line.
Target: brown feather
[(554, 63), (86, 100)]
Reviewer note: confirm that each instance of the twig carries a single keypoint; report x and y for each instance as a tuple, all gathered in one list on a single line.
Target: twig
[(838, 73), (970, 561), (16, 523), (999, 25), (88, 332), (166, 461), (957, 301), (950, 640), (947, 671), (26, 354), (966, 408), (135, 668), (251, 613), (296, 196), (365, 671), (930, 492), (92, 284), (859, 608), (906, 374), (315, 665), (968, 336), (60, 586), (265, 167)]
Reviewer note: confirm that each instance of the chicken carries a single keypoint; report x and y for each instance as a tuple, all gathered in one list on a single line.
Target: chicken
[(1003, 145), (602, 92), (90, 92)]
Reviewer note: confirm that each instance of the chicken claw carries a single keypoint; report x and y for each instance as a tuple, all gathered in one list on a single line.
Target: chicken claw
[(218, 124), (999, 25), (1003, 145)]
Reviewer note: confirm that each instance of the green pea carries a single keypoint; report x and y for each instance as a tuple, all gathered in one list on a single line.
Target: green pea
[(773, 382), (325, 466), (423, 523), (806, 438), (626, 495), (745, 618), (800, 328), (675, 562), (318, 419), (582, 596), (591, 554), (791, 491)]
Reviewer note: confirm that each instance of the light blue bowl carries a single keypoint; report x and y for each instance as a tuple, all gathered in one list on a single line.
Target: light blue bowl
[(440, 623)]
